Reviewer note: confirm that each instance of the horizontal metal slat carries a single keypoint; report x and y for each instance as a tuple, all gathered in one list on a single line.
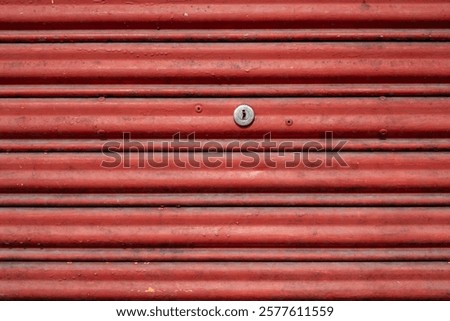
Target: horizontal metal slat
[(249, 12), (197, 227), (213, 118), (223, 90), (225, 280), (67, 20), (224, 63), (225, 199), (228, 145), (183, 254), (224, 35), (93, 172)]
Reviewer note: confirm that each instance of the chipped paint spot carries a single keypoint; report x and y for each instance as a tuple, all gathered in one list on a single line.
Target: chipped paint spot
[(150, 290), (365, 6)]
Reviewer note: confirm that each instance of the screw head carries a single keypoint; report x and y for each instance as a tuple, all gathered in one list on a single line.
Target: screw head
[(244, 115)]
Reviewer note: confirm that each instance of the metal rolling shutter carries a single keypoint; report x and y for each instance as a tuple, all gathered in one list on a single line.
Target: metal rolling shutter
[(75, 75)]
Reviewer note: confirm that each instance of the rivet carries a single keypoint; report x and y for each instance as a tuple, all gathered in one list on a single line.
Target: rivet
[(198, 108), (383, 133)]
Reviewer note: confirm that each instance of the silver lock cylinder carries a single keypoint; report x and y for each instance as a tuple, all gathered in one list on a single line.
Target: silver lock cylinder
[(244, 115)]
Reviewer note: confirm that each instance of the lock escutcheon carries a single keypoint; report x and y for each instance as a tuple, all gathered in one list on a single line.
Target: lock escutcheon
[(244, 115)]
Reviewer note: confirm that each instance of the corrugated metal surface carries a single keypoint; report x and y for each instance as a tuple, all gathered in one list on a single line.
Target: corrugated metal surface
[(366, 172), (233, 20), (284, 227), (226, 280), (354, 118), (76, 75)]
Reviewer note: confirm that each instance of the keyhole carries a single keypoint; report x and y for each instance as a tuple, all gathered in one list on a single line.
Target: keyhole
[(243, 115)]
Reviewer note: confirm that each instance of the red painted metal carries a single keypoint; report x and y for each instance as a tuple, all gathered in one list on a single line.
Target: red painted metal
[(163, 118), (224, 199), (229, 35), (366, 172), (225, 280), (248, 20), (224, 90), (225, 63), (200, 227), (97, 145), (77, 74), (224, 254)]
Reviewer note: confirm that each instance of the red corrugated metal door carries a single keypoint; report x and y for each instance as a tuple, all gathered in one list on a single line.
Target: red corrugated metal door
[(125, 175)]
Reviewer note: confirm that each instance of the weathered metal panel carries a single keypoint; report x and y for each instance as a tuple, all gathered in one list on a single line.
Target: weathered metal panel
[(225, 63), (88, 214), (90, 172), (248, 20), (224, 254), (224, 199), (159, 145), (160, 118), (226, 90), (197, 227), (224, 280)]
